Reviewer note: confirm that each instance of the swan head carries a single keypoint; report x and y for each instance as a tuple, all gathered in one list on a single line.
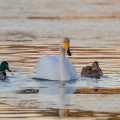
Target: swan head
[(66, 45)]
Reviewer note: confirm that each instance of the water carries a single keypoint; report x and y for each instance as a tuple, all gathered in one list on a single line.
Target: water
[(48, 95), (27, 33)]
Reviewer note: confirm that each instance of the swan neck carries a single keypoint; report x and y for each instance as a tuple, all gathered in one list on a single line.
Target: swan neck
[(63, 67), (62, 54)]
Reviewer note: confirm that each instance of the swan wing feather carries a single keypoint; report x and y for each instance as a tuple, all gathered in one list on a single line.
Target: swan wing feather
[(48, 68)]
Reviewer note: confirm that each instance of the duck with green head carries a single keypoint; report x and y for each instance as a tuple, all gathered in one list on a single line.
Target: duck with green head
[(4, 65)]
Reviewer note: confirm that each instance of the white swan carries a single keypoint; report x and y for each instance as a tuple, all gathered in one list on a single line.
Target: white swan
[(57, 67)]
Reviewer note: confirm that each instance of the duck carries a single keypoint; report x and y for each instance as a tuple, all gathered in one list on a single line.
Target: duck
[(93, 71), (57, 67), (3, 66)]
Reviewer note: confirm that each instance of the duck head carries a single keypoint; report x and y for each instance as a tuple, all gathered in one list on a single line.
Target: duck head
[(95, 66), (4, 65), (66, 45)]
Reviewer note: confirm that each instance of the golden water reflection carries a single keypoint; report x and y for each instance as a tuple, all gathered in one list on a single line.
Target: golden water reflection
[(31, 29), (25, 57)]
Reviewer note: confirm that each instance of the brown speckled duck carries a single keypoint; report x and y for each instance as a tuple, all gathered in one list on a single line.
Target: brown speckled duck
[(93, 71)]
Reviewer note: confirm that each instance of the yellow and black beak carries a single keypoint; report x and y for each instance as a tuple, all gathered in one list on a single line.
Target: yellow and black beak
[(9, 69), (67, 48)]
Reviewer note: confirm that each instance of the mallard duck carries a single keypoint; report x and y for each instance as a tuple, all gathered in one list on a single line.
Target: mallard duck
[(4, 65), (93, 71)]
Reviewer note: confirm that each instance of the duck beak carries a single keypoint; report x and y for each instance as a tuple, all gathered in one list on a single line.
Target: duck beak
[(97, 69), (67, 48), (9, 69)]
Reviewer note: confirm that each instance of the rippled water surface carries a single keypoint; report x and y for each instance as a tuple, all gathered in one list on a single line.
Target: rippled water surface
[(27, 33)]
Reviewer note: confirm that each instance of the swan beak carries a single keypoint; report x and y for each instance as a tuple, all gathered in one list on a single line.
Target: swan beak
[(68, 52), (67, 48)]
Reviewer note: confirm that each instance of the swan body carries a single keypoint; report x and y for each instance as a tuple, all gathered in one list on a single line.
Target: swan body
[(56, 67), (52, 69)]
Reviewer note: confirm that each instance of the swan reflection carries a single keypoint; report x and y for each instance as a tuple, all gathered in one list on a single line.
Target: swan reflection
[(62, 88)]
